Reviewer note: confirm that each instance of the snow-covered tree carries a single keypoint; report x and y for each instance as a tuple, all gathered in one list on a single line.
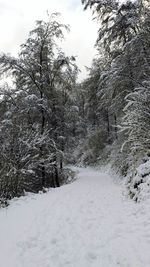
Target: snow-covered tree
[(123, 41), (44, 79)]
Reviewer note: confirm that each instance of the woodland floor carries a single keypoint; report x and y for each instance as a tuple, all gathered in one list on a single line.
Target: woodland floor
[(88, 223)]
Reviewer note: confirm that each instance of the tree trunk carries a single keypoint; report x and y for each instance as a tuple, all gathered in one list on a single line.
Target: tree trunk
[(42, 119), (116, 134), (108, 123), (43, 176), (57, 177)]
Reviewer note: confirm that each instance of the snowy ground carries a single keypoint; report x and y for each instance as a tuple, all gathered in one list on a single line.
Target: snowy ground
[(84, 224)]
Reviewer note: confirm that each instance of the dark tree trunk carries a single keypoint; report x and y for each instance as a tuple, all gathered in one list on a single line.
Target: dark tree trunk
[(43, 176), (42, 119), (108, 123), (116, 134), (61, 158), (57, 177)]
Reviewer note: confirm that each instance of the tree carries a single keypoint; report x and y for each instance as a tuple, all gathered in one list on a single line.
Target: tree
[(43, 77), (123, 40)]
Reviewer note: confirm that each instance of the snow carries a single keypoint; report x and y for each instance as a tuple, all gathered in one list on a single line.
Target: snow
[(88, 223), (144, 169), (139, 186)]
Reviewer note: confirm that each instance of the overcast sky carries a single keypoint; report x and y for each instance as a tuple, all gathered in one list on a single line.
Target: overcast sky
[(17, 18)]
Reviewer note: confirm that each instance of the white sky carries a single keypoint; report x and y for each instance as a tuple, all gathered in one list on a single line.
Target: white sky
[(17, 18)]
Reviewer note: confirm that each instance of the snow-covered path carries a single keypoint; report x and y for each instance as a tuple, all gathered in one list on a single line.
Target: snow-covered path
[(84, 224)]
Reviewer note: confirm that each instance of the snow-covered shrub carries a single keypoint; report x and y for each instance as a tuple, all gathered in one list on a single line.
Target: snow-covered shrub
[(3, 203), (68, 176), (139, 183)]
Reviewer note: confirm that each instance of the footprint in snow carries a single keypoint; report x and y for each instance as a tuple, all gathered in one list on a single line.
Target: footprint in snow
[(91, 255), (54, 241)]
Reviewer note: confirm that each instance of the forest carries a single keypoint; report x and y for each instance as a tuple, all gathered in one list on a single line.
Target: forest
[(50, 120)]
